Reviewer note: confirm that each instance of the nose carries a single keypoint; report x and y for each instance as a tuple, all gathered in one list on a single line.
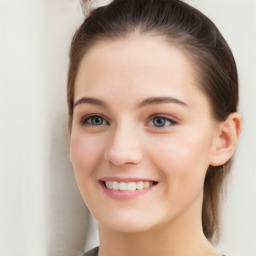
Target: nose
[(123, 148)]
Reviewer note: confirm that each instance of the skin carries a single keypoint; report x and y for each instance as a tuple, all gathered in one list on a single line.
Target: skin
[(124, 73)]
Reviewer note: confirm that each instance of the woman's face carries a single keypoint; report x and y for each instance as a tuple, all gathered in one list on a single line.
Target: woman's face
[(142, 134)]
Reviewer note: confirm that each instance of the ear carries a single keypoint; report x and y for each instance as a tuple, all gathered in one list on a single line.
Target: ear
[(226, 139)]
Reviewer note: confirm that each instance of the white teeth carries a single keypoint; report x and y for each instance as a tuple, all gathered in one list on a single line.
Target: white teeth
[(108, 184), (123, 186), (146, 184), (131, 186), (128, 186), (115, 185), (140, 185)]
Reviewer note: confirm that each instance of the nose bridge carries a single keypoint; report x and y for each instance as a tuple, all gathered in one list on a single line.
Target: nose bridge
[(124, 146)]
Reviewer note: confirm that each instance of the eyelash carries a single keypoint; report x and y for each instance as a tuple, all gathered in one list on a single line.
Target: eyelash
[(171, 121), (86, 120)]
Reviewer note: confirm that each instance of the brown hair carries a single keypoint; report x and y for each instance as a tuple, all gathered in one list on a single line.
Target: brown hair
[(191, 31)]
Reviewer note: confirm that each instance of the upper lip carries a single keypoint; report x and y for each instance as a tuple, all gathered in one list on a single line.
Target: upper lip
[(128, 179)]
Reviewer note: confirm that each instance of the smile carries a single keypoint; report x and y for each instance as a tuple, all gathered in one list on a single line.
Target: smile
[(128, 186)]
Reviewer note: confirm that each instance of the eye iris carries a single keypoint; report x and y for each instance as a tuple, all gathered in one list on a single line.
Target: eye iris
[(159, 122), (96, 120)]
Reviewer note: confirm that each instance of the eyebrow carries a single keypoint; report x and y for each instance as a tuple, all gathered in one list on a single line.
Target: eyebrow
[(149, 101), (90, 100), (160, 100)]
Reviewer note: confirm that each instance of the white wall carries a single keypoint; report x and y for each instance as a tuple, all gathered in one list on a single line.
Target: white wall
[(41, 211), (22, 130)]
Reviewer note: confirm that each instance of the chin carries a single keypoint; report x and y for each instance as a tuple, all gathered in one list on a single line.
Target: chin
[(128, 228), (125, 223)]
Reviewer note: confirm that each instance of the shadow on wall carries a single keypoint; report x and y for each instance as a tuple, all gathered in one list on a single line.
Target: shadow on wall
[(67, 216)]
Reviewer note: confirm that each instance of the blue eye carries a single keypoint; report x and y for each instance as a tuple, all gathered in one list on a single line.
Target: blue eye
[(94, 121), (160, 121)]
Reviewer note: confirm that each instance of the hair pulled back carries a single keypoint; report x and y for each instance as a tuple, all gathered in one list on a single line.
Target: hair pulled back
[(190, 30)]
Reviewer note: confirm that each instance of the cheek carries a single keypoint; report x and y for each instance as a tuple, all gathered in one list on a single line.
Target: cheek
[(183, 162), (183, 165), (183, 151), (85, 152)]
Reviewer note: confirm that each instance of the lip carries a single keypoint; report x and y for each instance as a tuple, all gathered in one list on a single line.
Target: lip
[(128, 179), (122, 195)]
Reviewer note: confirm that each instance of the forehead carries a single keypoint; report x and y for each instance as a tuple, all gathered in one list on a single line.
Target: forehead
[(138, 51), (134, 65)]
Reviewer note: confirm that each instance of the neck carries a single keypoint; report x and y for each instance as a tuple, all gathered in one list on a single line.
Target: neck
[(181, 236)]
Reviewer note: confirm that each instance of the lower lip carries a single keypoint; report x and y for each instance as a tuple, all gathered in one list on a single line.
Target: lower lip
[(119, 194)]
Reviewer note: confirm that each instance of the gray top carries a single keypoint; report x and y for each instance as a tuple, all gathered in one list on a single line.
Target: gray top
[(95, 251)]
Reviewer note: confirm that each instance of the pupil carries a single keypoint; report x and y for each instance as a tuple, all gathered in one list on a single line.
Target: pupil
[(97, 120), (159, 122)]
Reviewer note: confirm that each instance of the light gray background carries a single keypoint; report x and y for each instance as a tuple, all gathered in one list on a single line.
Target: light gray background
[(41, 210)]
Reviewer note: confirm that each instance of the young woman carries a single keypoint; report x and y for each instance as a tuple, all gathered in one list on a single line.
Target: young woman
[(152, 97)]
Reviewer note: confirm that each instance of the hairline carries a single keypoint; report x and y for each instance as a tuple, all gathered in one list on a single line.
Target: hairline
[(184, 48)]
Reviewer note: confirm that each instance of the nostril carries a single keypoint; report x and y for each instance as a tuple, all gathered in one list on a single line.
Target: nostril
[(119, 157)]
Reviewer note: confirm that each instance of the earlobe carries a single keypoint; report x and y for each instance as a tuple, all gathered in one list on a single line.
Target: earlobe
[(226, 140)]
